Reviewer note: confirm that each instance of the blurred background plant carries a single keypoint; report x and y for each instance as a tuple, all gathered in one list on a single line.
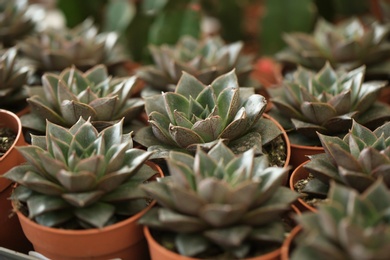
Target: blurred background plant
[(259, 23)]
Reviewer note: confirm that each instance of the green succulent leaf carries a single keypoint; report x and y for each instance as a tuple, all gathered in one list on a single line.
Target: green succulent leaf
[(40, 204), (97, 214), (229, 236), (191, 244)]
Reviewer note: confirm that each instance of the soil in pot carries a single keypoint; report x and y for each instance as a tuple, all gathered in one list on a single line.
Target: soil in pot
[(7, 138), (299, 179)]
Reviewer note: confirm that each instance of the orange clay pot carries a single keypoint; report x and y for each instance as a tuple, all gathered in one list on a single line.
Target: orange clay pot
[(298, 174), (124, 240), (11, 234), (299, 153), (288, 244), (158, 252)]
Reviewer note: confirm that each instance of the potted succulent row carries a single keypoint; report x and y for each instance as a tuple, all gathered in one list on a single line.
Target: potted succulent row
[(208, 126), (206, 59), (83, 185)]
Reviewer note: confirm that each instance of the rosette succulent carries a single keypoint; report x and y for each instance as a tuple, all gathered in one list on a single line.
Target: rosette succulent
[(14, 75), (356, 160), (326, 102), (83, 46), (219, 203), (205, 59), (346, 45), (199, 115), (65, 97), (349, 226), (16, 21), (79, 178)]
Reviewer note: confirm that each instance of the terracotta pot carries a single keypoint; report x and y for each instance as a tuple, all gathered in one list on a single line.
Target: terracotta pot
[(299, 153), (288, 244), (11, 234), (298, 174), (124, 240), (288, 145), (158, 252)]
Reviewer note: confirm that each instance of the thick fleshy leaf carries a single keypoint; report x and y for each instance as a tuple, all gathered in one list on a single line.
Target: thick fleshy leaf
[(96, 215), (127, 191), (321, 167), (38, 183), (72, 110), (207, 97), (54, 218), (243, 161), (341, 102), (356, 179), (189, 86), (186, 201), (209, 128), (184, 136), (160, 128), (76, 181), (58, 132), (268, 130), (370, 159), (273, 232), (228, 103), (86, 134), (106, 108), (174, 101), (44, 111), (182, 120), (160, 192), (213, 190), (374, 192), (191, 244), (97, 74), (238, 126), (180, 223), (342, 157), (317, 113), (254, 107), (221, 215), (364, 134), (228, 80), (182, 174), (82, 199), (39, 204), (219, 152), (229, 236)]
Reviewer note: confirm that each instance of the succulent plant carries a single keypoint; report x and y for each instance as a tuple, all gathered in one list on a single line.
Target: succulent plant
[(81, 178), (346, 45), (16, 21), (326, 102), (198, 115), (220, 203), (349, 226), (82, 46), (356, 160), (65, 97), (14, 75), (205, 59)]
